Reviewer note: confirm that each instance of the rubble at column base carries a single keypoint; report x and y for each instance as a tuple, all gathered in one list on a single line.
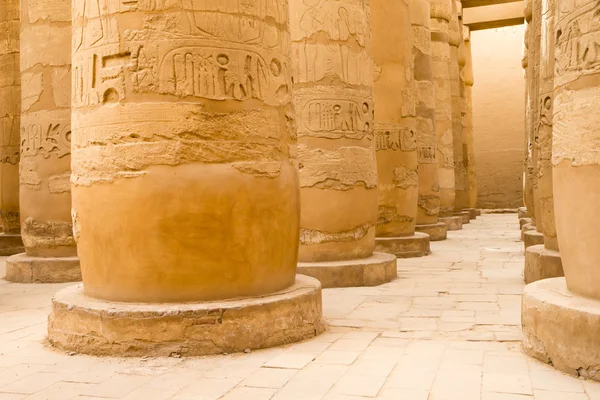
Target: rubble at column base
[(541, 263), (453, 223), (21, 268), (532, 238), (561, 328), (437, 232), (10, 244), (372, 271), (86, 325), (416, 245)]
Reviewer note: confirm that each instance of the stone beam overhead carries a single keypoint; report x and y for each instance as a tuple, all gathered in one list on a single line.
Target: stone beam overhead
[(481, 3), (494, 16)]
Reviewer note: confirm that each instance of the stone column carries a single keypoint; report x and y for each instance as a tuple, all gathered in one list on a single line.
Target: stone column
[(396, 131), (455, 39), (333, 96), (45, 165), (470, 196), (441, 13), (186, 202), (561, 316), (534, 237), (429, 184), (10, 115), (543, 261)]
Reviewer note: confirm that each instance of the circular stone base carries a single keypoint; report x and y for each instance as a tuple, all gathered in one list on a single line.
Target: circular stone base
[(561, 328), (85, 325), (465, 215), (416, 245), (372, 271), (525, 221), (522, 212), (454, 223), (525, 228), (436, 232), (533, 237), (472, 212), (10, 244), (21, 268), (541, 263)]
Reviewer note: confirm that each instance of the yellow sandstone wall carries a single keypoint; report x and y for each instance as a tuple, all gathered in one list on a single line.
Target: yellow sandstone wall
[(498, 115)]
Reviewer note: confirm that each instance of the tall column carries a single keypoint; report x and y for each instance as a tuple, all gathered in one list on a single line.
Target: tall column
[(429, 183), (333, 96), (10, 115), (535, 237), (561, 316), (186, 203), (468, 134), (396, 131), (441, 13), (543, 261), (45, 165)]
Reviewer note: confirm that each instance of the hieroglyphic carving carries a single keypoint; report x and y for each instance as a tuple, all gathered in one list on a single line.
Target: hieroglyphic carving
[(47, 133), (395, 137), (426, 155), (9, 137), (331, 118)]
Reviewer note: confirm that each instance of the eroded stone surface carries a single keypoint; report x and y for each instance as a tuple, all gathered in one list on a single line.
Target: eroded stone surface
[(541, 263), (416, 245), (436, 232), (21, 268), (532, 238), (453, 223)]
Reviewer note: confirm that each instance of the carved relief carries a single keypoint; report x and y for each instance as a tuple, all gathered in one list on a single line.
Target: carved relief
[(9, 135), (426, 155), (395, 138), (47, 138), (405, 178), (331, 118)]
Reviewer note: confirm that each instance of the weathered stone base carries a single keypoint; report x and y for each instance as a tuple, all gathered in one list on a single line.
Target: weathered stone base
[(21, 268), (526, 228), (10, 244), (473, 212), (416, 245), (454, 223), (85, 325), (522, 212), (561, 328), (465, 215), (541, 263), (436, 232), (533, 237), (372, 271), (524, 221)]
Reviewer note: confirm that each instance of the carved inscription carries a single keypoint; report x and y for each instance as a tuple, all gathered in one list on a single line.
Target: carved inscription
[(334, 118), (46, 138), (395, 138), (9, 135)]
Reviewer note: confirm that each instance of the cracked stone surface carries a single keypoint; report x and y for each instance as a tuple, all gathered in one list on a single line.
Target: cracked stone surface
[(447, 329)]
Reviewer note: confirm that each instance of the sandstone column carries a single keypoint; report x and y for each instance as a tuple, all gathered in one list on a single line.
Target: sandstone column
[(10, 110), (186, 203), (441, 13), (333, 96), (528, 66), (429, 184), (543, 260), (396, 131), (534, 237), (45, 192), (561, 316)]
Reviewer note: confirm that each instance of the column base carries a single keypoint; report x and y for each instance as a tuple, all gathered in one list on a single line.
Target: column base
[(21, 268), (472, 212), (465, 215), (86, 325), (541, 263), (526, 228), (10, 244), (436, 232), (453, 223), (524, 221), (522, 212), (561, 328), (533, 237), (372, 271), (416, 245)]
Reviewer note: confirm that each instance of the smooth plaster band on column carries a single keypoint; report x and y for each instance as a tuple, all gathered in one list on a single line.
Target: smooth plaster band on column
[(541, 263), (453, 223), (378, 269), (561, 328), (10, 244), (532, 238), (416, 245), (437, 232), (465, 215), (82, 324), (21, 268)]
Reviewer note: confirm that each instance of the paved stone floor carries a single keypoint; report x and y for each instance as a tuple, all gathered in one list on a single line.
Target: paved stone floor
[(447, 329)]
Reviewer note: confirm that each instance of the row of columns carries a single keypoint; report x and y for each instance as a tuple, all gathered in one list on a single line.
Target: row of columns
[(189, 161), (561, 309)]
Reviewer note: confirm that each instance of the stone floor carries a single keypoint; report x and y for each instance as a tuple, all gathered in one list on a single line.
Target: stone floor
[(447, 329)]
